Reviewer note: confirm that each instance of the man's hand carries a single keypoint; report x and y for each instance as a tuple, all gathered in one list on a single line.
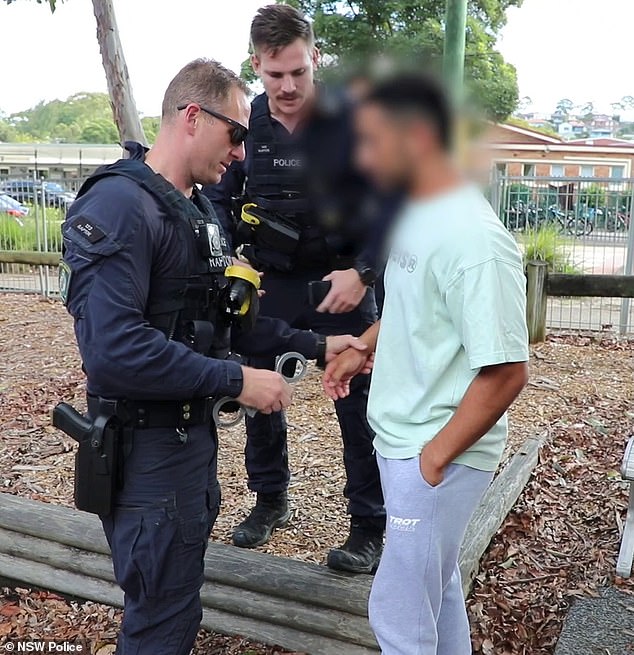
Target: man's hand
[(246, 264), (339, 372), (433, 472), (346, 293), (264, 390), (489, 395), (337, 344)]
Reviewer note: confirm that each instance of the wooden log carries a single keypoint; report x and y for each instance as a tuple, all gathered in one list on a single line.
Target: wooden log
[(48, 577), (287, 637), (81, 586), (288, 578), (277, 600), (30, 258), (226, 598), (280, 576), (536, 299), (64, 525), (604, 286), (495, 506), (59, 556)]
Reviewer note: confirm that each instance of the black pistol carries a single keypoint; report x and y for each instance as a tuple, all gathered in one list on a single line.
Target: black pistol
[(67, 419), (97, 458)]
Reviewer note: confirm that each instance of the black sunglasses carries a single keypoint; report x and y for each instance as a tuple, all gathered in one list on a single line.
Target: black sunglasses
[(238, 133)]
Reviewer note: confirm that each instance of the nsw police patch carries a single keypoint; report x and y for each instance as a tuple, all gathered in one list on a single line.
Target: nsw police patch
[(65, 275), (214, 237)]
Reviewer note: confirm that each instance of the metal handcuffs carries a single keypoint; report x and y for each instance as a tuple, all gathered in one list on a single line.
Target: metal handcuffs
[(232, 418)]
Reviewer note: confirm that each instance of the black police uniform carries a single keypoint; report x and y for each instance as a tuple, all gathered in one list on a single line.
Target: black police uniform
[(144, 298), (308, 180)]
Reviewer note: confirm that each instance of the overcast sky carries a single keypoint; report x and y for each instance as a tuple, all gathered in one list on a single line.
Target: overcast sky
[(562, 48)]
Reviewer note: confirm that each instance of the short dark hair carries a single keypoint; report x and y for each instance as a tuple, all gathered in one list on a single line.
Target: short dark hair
[(419, 95), (276, 26), (204, 81)]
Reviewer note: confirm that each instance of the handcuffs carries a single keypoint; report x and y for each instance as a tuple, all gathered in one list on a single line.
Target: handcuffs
[(233, 417)]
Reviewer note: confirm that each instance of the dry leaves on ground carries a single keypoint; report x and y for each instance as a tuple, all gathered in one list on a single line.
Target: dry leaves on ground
[(559, 542)]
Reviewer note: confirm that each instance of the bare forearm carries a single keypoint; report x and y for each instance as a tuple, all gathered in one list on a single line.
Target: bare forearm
[(370, 336), (488, 397)]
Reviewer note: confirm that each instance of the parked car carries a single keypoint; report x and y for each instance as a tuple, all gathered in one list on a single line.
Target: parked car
[(11, 207), (32, 191), (57, 196), (21, 190)]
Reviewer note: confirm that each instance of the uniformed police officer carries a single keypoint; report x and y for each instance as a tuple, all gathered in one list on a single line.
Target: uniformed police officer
[(147, 277), (307, 218)]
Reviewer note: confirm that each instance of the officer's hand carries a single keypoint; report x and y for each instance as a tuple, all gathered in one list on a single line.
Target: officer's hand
[(246, 264), (337, 344), (346, 293), (339, 372), (264, 390)]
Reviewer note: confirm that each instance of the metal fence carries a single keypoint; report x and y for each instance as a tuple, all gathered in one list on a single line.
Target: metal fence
[(579, 225), (31, 213)]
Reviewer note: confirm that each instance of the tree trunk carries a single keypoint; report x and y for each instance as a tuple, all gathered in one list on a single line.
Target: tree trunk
[(124, 108)]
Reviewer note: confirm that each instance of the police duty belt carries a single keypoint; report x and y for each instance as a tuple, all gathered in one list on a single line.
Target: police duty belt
[(224, 413)]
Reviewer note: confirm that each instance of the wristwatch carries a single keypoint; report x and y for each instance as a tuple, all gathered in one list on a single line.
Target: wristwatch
[(367, 274), (322, 347)]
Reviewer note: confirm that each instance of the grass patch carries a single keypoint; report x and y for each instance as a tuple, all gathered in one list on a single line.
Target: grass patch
[(32, 236), (545, 244)]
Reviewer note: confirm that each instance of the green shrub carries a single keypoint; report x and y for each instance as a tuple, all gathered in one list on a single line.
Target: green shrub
[(545, 244), (593, 196), (515, 193)]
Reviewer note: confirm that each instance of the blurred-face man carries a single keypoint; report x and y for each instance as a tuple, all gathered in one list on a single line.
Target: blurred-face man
[(453, 336)]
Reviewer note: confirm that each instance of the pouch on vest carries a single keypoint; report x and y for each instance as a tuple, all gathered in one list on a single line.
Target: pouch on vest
[(268, 230)]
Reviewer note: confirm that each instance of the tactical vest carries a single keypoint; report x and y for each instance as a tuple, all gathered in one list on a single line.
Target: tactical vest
[(185, 308), (310, 183), (277, 171)]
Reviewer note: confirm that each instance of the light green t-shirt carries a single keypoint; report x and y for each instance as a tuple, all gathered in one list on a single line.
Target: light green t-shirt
[(455, 302)]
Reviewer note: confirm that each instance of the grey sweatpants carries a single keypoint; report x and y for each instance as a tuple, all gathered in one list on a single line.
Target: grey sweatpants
[(416, 603)]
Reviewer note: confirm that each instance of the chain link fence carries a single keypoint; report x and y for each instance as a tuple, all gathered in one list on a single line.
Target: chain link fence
[(578, 225)]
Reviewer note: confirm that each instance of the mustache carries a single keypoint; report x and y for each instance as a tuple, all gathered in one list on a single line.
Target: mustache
[(288, 96)]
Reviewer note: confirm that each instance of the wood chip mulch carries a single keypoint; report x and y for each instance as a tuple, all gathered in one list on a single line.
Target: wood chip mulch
[(560, 541)]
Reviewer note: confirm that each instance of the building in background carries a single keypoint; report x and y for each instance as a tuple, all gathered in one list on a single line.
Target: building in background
[(55, 161), (517, 151)]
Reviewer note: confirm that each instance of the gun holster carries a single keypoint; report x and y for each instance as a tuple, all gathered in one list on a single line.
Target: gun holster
[(98, 460)]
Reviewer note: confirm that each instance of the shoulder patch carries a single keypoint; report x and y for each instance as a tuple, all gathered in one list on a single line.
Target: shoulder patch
[(65, 274), (87, 229)]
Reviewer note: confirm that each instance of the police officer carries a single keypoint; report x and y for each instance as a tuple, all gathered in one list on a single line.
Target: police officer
[(307, 216), (148, 279)]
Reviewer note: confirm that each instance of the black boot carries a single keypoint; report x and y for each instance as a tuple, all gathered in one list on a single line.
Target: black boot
[(362, 550), (270, 512)]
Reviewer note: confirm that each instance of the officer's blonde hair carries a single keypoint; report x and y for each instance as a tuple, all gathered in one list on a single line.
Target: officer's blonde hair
[(204, 81)]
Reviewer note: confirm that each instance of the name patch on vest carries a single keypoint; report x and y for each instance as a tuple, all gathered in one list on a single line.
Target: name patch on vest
[(87, 229)]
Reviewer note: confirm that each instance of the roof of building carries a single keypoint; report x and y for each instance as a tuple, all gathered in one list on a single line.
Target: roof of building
[(603, 142), (521, 134), (48, 154)]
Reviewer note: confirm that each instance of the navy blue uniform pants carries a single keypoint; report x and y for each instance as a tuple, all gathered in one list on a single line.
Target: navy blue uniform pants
[(266, 450), (158, 535)]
